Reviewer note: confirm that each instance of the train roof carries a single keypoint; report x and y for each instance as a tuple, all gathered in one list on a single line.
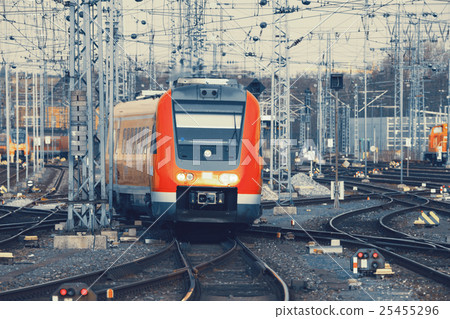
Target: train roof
[(133, 108)]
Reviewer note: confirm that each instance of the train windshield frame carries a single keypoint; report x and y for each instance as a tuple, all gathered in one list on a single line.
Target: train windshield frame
[(209, 133), (22, 137)]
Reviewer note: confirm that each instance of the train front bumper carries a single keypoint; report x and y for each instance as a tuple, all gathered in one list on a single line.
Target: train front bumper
[(206, 205)]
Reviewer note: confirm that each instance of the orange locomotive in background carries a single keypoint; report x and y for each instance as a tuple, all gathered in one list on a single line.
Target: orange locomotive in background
[(437, 145), (57, 145), (206, 163)]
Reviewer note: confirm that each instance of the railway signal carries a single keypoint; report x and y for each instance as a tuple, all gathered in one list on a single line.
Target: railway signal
[(77, 291), (366, 261)]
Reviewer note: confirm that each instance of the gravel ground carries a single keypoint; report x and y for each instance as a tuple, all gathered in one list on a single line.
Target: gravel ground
[(44, 182), (316, 216), (405, 223), (326, 277), (39, 265), (316, 277)]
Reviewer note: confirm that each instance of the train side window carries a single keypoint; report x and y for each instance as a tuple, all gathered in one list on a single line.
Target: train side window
[(142, 139), (145, 140), (135, 137), (123, 140), (139, 140), (115, 138), (153, 140)]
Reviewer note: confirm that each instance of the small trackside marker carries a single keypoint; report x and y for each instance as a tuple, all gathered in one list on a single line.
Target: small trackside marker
[(110, 294), (355, 265)]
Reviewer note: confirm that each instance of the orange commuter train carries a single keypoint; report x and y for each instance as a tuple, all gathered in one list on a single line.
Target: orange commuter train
[(191, 156), (57, 145), (132, 157), (437, 145), (24, 147)]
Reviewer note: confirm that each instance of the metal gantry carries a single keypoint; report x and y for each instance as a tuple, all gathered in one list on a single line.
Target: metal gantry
[(87, 140), (280, 160)]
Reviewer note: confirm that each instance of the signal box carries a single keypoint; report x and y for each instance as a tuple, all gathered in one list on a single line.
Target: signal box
[(366, 260), (76, 291)]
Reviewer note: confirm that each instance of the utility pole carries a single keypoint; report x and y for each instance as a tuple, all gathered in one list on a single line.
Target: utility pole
[(110, 55), (280, 95), (356, 125), (320, 107), (27, 145), (8, 127), (366, 34), (34, 123), (336, 83), (41, 121), (336, 150), (17, 130), (400, 67), (448, 115)]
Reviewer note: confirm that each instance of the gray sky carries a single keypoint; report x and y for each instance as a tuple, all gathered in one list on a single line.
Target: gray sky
[(341, 20)]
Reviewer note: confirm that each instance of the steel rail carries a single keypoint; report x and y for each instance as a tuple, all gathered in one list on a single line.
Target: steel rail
[(269, 273), (309, 234), (37, 292), (357, 240)]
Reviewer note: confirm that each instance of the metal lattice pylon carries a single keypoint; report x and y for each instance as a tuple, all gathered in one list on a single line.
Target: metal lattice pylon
[(280, 162), (87, 141), (398, 57), (356, 124)]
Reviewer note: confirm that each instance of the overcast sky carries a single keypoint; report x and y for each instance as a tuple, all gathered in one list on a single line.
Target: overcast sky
[(341, 21)]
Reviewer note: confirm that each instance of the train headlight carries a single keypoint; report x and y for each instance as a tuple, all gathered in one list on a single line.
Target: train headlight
[(190, 176), (228, 178), (181, 177), (207, 153)]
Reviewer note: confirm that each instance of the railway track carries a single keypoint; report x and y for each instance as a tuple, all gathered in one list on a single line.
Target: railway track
[(236, 274), (12, 177), (375, 227), (15, 221), (395, 249), (187, 274)]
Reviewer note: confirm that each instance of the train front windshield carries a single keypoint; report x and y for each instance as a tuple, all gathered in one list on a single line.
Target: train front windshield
[(21, 137), (212, 135)]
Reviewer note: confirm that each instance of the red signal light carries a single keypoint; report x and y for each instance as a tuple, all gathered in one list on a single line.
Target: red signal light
[(84, 292), (375, 255), (360, 255), (63, 292)]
